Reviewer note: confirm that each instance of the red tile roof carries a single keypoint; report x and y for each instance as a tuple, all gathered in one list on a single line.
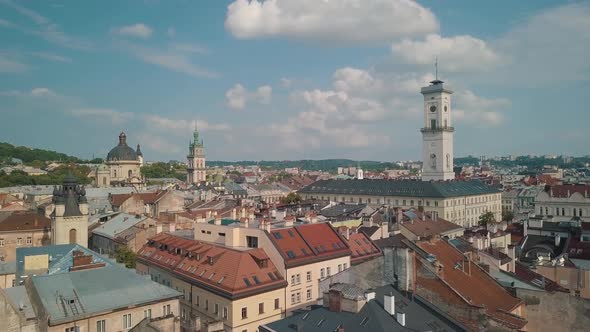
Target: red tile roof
[(577, 249), (428, 227), (304, 244), (227, 272), (24, 221), (362, 248), (147, 198), (566, 190), (528, 275), (476, 287)]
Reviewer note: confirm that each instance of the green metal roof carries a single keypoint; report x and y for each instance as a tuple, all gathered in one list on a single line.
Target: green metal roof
[(408, 188), (225, 222), (86, 293)]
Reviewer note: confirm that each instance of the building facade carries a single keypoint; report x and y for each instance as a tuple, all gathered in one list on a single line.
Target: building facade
[(196, 171), (564, 202), (122, 167), (437, 133), (69, 220), (20, 230)]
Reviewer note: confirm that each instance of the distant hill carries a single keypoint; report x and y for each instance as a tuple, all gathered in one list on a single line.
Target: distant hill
[(29, 155), (311, 165)]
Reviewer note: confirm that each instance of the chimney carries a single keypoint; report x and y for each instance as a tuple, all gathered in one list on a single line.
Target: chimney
[(401, 318), (234, 214), (389, 303), (399, 215), (346, 233), (370, 296), (289, 221), (217, 219)]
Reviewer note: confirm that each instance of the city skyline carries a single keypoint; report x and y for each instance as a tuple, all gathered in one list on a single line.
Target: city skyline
[(73, 76)]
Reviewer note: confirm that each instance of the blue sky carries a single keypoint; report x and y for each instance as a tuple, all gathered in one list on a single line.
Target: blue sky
[(303, 79)]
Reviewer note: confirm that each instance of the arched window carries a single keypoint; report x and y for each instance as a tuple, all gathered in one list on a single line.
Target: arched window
[(73, 236), (114, 173), (104, 181), (129, 173), (433, 161), (448, 161)]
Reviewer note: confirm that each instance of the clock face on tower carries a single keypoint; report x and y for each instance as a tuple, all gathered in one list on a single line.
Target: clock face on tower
[(433, 108)]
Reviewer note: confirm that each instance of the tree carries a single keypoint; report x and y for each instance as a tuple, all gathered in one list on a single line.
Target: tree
[(292, 198), (507, 215), (487, 218), (126, 256)]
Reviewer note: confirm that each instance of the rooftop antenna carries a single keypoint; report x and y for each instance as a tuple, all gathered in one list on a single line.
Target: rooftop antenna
[(436, 68)]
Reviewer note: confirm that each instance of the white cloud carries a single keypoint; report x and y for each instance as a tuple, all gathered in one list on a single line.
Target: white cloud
[(138, 30), (177, 57), (44, 28), (10, 65), (52, 57), (113, 116), (33, 93), (189, 48), (286, 82), (348, 20), (455, 54), (480, 111), (182, 126), (238, 96)]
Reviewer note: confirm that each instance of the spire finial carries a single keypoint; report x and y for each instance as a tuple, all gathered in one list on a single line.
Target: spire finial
[(436, 68)]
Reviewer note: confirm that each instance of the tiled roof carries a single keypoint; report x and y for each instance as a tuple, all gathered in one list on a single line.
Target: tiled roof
[(147, 198), (78, 295), (369, 231), (532, 277), (497, 254), (393, 241), (577, 249), (414, 223), (342, 209), (410, 188), (24, 221), (566, 190), (362, 248), (229, 273), (476, 288), (304, 244)]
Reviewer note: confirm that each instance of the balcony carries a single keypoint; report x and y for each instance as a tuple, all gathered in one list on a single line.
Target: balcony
[(437, 129)]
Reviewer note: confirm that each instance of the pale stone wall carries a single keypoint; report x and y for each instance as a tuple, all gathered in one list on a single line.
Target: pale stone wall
[(38, 238), (61, 227)]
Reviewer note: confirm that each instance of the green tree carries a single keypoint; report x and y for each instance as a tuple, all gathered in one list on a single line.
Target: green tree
[(507, 215), (292, 198), (487, 218), (126, 256)]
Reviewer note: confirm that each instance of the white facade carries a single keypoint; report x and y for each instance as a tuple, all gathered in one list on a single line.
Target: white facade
[(437, 133)]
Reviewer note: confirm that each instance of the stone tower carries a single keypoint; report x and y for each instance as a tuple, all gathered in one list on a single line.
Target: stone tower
[(196, 171), (437, 133), (69, 220)]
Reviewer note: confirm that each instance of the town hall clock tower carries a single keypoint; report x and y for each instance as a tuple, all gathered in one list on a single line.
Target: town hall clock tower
[(437, 133)]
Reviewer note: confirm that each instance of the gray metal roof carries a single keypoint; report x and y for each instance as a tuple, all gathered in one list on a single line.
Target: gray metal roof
[(20, 301), (408, 188), (341, 209), (86, 293), (60, 258), (117, 225)]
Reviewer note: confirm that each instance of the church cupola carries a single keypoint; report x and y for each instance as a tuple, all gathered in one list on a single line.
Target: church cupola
[(122, 138)]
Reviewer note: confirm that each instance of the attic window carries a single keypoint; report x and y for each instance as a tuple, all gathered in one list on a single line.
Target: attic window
[(212, 275), (272, 276), (290, 254), (290, 233), (322, 320), (255, 278), (304, 251), (247, 282), (178, 251), (365, 321), (277, 235), (202, 272), (210, 260), (221, 280)]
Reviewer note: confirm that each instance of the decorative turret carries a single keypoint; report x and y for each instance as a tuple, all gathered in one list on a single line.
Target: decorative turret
[(196, 171)]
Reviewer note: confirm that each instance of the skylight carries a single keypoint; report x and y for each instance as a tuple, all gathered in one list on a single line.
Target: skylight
[(256, 279), (290, 254), (247, 282), (277, 235)]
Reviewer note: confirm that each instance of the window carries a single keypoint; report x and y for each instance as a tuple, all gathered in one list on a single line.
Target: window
[(101, 326), (166, 310), (198, 300), (277, 304), (433, 123), (1, 242), (147, 313), (29, 240), (71, 329), (206, 304), (19, 241), (322, 273), (309, 294), (328, 271), (244, 313), (225, 313), (345, 265), (339, 267), (308, 275), (216, 309), (127, 321), (252, 241), (260, 308)]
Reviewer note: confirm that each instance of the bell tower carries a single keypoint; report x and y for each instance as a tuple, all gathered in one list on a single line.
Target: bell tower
[(437, 133), (196, 171), (69, 220)]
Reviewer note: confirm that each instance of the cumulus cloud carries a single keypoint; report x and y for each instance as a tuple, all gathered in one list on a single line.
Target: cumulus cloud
[(138, 30), (455, 54), (238, 96), (52, 57), (478, 110), (348, 20)]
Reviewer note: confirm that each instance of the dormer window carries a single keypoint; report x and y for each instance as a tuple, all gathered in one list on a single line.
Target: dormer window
[(210, 260)]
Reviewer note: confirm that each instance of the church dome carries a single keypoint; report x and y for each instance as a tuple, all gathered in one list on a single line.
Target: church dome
[(122, 151)]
